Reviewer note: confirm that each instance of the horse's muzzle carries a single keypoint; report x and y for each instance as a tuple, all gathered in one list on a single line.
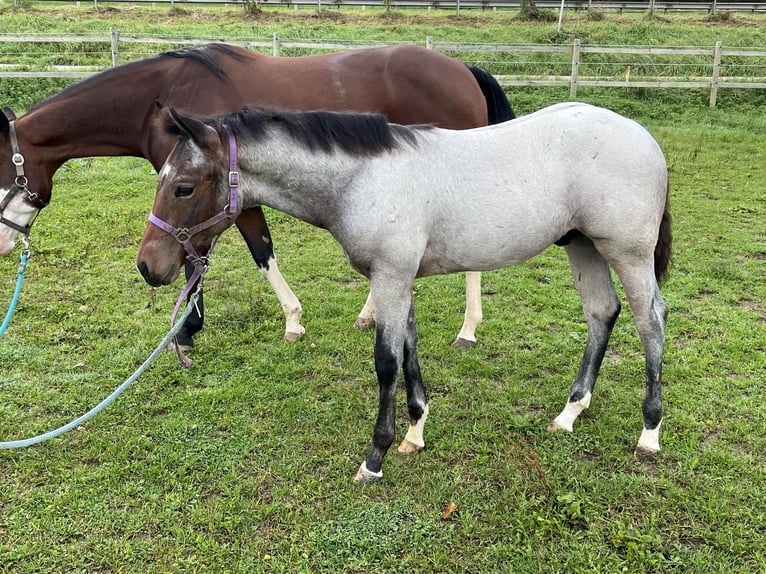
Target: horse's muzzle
[(154, 279)]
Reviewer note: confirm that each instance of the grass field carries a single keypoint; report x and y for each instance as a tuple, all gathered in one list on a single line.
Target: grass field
[(244, 462)]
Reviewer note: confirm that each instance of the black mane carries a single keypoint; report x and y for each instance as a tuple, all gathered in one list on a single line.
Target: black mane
[(206, 55), (352, 132)]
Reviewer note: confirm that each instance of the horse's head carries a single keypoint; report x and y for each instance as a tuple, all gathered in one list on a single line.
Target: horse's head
[(25, 187), (194, 201)]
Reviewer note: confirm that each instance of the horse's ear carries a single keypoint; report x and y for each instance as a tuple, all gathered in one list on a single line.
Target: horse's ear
[(199, 132), (5, 118)]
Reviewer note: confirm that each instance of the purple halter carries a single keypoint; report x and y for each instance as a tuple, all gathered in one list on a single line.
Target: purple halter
[(184, 235)]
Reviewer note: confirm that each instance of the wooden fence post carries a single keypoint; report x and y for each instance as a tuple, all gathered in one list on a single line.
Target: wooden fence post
[(716, 74), (115, 46), (430, 42), (275, 42), (575, 68)]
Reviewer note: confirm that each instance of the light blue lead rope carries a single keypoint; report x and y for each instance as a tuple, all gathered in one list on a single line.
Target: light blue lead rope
[(16, 292), (117, 392)]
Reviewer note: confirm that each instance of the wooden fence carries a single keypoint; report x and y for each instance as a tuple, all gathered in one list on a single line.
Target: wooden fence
[(575, 57), (619, 5)]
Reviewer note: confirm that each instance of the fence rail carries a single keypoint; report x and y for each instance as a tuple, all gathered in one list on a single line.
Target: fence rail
[(618, 5), (630, 74)]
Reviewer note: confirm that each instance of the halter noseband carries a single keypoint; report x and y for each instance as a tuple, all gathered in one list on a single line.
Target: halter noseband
[(20, 184), (183, 235)]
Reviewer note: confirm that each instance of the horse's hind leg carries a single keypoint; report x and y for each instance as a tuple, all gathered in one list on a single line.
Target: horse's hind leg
[(366, 317), (472, 318), (417, 402), (650, 314), (601, 307), (466, 338), (252, 225)]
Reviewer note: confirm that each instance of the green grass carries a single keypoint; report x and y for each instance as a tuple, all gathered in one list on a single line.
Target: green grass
[(244, 462)]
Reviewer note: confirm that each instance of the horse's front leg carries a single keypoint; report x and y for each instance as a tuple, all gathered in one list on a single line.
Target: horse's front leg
[(417, 402), (252, 225), (392, 302), (195, 321)]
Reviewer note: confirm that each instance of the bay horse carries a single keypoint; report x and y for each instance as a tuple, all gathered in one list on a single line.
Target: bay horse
[(112, 114), (402, 207)]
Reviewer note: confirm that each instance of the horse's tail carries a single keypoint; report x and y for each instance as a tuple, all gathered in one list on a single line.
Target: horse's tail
[(498, 107), (662, 251)]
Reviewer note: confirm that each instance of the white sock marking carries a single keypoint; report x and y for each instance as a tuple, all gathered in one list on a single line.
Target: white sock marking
[(571, 411)]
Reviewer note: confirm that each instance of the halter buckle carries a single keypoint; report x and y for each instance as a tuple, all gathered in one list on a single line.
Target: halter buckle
[(182, 235), (233, 179), (17, 159)]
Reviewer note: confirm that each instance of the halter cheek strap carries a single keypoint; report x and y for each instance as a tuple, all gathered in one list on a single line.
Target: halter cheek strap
[(184, 235), (20, 185)]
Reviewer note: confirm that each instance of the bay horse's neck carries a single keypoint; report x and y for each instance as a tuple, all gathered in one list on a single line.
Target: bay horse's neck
[(102, 116)]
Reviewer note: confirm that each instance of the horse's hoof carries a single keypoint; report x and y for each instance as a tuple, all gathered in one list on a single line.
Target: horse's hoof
[(364, 476), (180, 351), (556, 427), (183, 349), (648, 443), (408, 447), (292, 336), (461, 343), (364, 323), (646, 453)]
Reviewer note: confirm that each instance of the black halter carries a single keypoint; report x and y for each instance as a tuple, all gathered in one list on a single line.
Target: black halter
[(20, 184)]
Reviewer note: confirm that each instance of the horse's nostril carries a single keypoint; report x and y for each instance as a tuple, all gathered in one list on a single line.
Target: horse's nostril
[(144, 270)]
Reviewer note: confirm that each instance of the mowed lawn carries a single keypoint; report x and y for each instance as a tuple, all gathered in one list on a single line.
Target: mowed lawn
[(244, 462)]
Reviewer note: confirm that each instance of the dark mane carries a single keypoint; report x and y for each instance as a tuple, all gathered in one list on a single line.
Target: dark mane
[(206, 55), (351, 132)]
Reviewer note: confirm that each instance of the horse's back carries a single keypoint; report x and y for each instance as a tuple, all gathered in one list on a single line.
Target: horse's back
[(408, 84), (500, 194)]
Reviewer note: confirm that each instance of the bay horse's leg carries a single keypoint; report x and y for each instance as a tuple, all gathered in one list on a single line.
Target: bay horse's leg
[(417, 402), (252, 225), (650, 314), (194, 321), (466, 338), (473, 314), (366, 317), (601, 307), (393, 298)]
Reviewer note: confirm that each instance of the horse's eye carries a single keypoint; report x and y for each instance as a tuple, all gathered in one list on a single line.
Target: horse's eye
[(184, 190)]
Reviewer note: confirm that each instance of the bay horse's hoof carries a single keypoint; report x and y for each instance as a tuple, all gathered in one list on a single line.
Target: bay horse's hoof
[(292, 336), (364, 323), (408, 447), (181, 348), (461, 343), (181, 351), (644, 453), (556, 427), (364, 476)]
